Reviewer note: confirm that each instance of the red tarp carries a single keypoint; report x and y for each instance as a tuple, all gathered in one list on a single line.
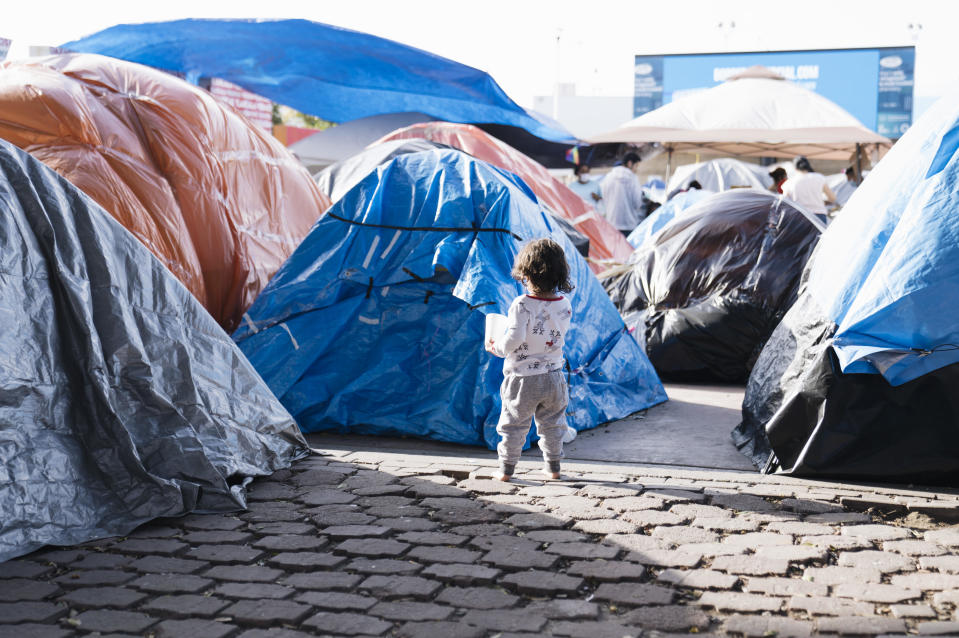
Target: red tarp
[(219, 202), (605, 242)]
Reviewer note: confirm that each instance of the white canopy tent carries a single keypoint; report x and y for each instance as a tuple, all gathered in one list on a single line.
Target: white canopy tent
[(721, 174), (754, 114)]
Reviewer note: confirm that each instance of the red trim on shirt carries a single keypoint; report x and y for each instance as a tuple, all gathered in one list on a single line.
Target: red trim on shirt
[(544, 298)]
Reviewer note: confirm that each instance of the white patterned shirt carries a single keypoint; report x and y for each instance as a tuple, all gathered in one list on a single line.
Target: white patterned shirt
[(536, 331)]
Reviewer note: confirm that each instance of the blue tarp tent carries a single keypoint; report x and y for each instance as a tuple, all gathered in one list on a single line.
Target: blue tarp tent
[(861, 378), (665, 214), (375, 324), (326, 71)]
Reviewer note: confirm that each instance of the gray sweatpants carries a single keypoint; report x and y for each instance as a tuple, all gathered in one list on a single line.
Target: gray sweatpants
[(543, 396)]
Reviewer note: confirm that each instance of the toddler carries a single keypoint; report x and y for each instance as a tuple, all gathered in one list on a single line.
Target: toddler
[(534, 383)]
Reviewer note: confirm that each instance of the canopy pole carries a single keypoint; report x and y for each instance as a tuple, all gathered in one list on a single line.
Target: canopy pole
[(669, 162)]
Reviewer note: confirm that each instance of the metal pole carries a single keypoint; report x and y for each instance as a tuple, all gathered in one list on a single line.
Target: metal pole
[(858, 164), (669, 162)]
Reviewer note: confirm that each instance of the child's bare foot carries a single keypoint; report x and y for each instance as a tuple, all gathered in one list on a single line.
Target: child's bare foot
[(553, 476), (503, 477)]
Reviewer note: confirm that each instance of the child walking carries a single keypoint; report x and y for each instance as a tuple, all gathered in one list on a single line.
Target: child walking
[(534, 383)]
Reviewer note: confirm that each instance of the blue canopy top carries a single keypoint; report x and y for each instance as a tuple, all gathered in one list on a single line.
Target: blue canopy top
[(326, 71), (887, 269)]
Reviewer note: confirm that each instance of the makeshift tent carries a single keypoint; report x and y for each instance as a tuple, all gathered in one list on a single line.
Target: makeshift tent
[(861, 379), (605, 242), (841, 186), (219, 202), (752, 115), (121, 400), (326, 71), (343, 141), (375, 324), (660, 217), (719, 175), (707, 290), (337, 180)]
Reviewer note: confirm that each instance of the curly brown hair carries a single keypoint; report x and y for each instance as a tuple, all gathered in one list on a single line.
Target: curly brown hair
[(541, 265)]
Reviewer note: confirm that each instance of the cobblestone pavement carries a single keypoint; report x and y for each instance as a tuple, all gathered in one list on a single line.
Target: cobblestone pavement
[(381, 544)]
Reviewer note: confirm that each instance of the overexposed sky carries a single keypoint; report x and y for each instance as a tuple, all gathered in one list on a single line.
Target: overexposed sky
[(529, 45)]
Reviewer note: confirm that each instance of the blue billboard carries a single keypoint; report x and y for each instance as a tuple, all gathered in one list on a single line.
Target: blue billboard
[(874, 85)]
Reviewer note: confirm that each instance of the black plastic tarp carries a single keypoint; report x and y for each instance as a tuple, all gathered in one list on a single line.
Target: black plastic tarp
[(121, 399), (706, 291)]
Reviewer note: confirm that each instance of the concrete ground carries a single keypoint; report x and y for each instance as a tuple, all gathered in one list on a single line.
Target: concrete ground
[(380, 537)]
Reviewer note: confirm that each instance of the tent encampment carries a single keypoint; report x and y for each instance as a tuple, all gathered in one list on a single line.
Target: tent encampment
[(219, 202), (605, 242), (719, 175), (750, 115), (860, 379), (665, 214), (121, 400), (705, 292), (376, 323)]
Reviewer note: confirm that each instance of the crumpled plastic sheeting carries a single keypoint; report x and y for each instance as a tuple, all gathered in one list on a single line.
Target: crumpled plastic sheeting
[(121, 400), (708, 289), (605, 241), (375, 324), (219, 202), (337, 179)]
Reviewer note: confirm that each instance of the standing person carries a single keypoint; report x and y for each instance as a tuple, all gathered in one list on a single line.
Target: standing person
[(809, 188), (534, 384), (623, 196), (587, 188), (779, 176)]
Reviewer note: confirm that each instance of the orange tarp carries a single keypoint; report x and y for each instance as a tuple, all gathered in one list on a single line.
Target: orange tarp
[(605, 242), (221, 203)]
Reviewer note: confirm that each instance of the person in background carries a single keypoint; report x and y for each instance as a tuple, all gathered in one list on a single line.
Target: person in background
[(623, 195), (587, 188), (779, 176), (809, 188)]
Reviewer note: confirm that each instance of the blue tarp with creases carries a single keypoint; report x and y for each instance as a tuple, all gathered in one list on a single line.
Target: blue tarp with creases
[(121, 399), (333, 73), (665, 214), (375, 324), (887, 270)]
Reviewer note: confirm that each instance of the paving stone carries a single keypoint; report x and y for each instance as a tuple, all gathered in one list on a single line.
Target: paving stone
[(681, 534), (593, 629), (270, 491), (432, 629), (876, 532), (429, 479), (193, 628), (810, 506), (283, 527), (382, 566), (459, 574), (103, 561), (167, 565), (751, 565), (633, 503), (336, 600), (58, 556), (858, 625), (212, 537), (555, 536), (948, 564), (537, 521), (767, 626), (668, 496), (402, 511), (583, 550), (94, 577), (793, 553), (387, 587), (210, 522), (542, 583), (25, 589), (914, 548), (29, 611), (290, 542), (34, 630), (667, 618), (151, 546), (774, 586), (565, 609), (885, 562), (651, 518), (698, 578), (483, 486), (832, 518), (254, 590), (727, 524), (876, 592), (272, 511), (243, 573), (912, 611), (111, 620), (356, 531), (505, 620), (691, 511), (326, 497), (816, 606), (466, 516), (797, 528), (226, 554), (547, 491), (609, 491), (410, 610), (476, 598), (735, 601), (432, 538), (103, 597), (841, 575), (520, 559), (714, 549), (606, 526), (665, 558), (322, 580), (305, 561), (609, 571), (514, 543), (435, 554), (171, 583), (937, 582), (634, 594), (185, 605), (24, 569), (742, 502), (347, 624), (318, 477), (938, 628), (635, 542), (837, 542), (758, 539), (267, 612), (373, 547)]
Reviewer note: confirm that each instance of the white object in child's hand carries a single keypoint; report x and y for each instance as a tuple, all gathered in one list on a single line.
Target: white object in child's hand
[(495, 329), (570, 434)]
